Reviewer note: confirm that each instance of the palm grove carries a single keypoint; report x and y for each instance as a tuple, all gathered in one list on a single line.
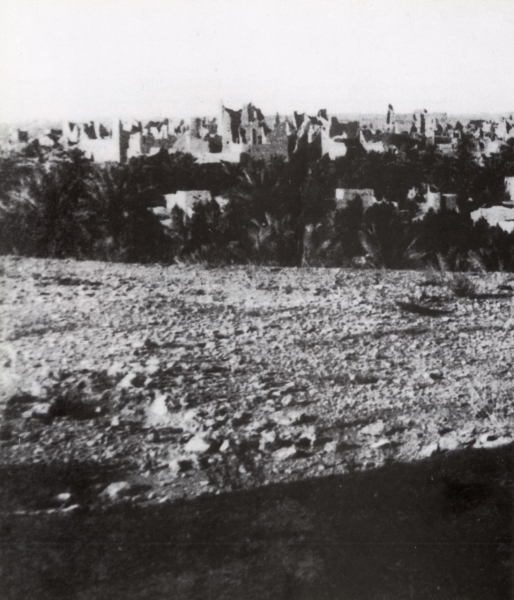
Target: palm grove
[(279, 212)]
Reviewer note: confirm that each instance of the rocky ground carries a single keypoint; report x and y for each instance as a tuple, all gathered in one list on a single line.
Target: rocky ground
[(142, 385)]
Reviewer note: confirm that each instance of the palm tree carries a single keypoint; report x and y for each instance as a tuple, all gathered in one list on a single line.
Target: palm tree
[(48, 213), (124, 196)]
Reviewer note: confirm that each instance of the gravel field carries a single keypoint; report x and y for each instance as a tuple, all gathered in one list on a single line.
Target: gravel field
[(138, 388)]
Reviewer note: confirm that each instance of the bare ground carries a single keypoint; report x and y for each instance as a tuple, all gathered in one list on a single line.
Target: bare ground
[(252, 432)]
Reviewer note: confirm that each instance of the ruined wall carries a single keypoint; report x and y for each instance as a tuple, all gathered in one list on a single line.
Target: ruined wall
[(431, 200), (336, 137), (254, 129), (230, 127), (501, 216), (247, 130), (277, 144), (446, 149), (449, 202), (489, 147), (509, 188), (334, 147), (151, 145), (131, 133), (372, 142), (390, 119), (155, 135), (100, 142), (186, 200), (343, 196)]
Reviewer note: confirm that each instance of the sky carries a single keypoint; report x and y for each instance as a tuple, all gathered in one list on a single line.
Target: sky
[(84, 59)]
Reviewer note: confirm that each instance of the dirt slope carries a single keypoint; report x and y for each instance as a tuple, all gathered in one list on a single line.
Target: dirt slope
[(192, 381), (252, 433)]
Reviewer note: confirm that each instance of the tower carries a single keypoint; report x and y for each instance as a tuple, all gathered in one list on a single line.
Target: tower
[(390, 118)]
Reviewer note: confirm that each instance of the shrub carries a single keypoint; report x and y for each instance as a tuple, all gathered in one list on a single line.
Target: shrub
[(462, 286)]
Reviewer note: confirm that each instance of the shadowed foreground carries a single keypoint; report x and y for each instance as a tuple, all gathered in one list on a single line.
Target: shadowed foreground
[(441, 528)]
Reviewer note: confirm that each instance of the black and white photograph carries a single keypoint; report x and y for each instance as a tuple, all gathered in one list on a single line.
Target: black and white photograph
[(257, 300)]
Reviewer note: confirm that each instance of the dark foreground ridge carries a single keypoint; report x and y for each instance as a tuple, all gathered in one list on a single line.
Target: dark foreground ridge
[(438, 528)]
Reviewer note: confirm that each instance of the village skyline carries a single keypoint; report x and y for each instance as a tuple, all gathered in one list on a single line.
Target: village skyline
[(341, 115), (239, 130)]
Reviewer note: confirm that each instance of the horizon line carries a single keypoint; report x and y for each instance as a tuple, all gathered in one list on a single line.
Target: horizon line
[(35, 120)]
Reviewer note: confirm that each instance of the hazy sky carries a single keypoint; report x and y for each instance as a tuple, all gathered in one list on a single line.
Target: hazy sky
[(81, 59)]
